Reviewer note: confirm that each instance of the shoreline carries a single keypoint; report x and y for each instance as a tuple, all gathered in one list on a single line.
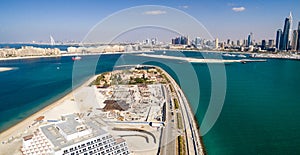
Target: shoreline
[(195, 126), (71, 54), (15, 129), (29, 57), (197, 60), (4, 69), (260, 55), (20, 128)]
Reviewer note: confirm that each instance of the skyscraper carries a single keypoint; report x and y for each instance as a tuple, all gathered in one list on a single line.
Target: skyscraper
[(216, 43), (271, 43), (245, 42), (197, 41), (298, 44), (249, 42), (228, 41), (294, 40), (278, 37), (263, 44), (284, 40), (239, 42)]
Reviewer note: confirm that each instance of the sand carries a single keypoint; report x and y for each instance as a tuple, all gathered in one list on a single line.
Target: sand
[(65, 105), (70, 54), (3, 69), (195, 60), (29, 57)]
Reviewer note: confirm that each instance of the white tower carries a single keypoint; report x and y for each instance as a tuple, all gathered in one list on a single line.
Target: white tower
[(216, 43), (52, 42)]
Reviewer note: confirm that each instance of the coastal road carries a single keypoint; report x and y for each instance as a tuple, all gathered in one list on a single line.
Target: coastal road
[(194, 145), (168, 145)]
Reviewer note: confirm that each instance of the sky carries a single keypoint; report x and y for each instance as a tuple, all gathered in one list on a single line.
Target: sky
[(66, 20)]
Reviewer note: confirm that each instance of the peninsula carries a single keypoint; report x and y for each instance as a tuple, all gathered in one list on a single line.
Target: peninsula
[(134, 110)]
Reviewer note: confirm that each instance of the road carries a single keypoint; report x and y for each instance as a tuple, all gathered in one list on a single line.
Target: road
[(168, 145), (193, 144), (170, 132)]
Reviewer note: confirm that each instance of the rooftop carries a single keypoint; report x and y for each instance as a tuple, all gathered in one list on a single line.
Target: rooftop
[(71, 126)]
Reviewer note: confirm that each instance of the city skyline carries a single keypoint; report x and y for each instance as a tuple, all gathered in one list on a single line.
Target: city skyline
[(71, 20)]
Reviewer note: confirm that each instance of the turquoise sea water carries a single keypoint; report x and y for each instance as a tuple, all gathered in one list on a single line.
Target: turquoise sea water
[(261, 113)]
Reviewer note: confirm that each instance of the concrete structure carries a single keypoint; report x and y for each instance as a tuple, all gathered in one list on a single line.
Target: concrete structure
[(28, 51), (73, 136)]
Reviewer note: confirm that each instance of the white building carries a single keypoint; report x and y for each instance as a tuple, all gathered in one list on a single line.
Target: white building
[(73, 137), (216, 43)]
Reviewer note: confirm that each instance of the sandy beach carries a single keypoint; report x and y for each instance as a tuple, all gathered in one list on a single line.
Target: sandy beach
[(11, 139), (3, 69), (195, 60), (29, 57), (71, 54)]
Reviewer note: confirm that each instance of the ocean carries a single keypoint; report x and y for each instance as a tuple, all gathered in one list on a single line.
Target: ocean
[(260, 114)]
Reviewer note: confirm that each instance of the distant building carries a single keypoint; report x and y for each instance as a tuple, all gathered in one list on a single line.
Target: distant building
[(228, 42), (197, 41), (216, 43), (271, 43), (284, 40), (238, 43), (245, 42), (181, 40), (72, 136), (28, 51), (298, 42), (294, 40), (263, 44), (222, 45), (154, 41), (249, 41), (278, 37)]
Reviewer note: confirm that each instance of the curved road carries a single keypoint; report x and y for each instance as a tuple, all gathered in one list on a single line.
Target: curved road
[(193, 144)]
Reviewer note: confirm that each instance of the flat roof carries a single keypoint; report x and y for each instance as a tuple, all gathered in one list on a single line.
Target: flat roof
[(58, 140), (69, 126)]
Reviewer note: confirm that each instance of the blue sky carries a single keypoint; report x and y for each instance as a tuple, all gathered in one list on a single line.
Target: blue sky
[(25, 21)]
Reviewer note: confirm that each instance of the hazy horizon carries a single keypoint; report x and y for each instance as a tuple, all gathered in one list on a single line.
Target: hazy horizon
[(27, 21)]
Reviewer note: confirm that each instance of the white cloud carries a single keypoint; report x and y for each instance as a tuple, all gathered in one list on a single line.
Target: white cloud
[(155, 12), (239, 9)]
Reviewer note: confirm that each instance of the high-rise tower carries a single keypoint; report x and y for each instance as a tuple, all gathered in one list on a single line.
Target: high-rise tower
[(284, 39), (278, 37), (298, 44), (216, 43), (294, 40), (249, 42)]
